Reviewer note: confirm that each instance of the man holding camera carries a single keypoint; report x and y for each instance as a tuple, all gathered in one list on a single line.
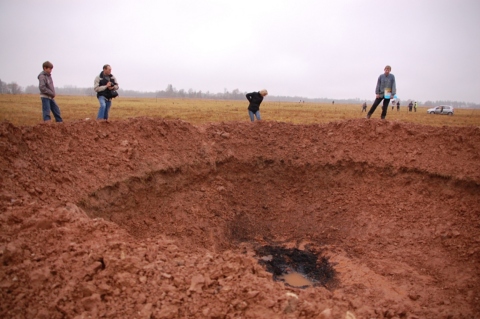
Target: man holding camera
[(106, 86)]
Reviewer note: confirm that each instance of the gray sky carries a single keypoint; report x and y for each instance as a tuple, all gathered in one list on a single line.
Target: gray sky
[(316, 48)]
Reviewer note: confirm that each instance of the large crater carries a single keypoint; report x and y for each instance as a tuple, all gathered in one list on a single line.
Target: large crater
[(382, 217), (405, 215)]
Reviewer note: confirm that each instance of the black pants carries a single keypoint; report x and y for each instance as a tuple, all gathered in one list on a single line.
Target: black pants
[(376, 103)]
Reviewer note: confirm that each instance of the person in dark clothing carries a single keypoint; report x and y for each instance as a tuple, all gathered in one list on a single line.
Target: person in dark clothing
[(255, 99), (398, 106), (385, 90), (47, 93), (410, 106), (364, 107)]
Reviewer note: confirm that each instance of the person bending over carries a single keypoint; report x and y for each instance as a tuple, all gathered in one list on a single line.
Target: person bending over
[(255, 99)]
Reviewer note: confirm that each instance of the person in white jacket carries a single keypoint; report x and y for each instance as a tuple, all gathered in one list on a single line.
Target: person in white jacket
[(106, 86)]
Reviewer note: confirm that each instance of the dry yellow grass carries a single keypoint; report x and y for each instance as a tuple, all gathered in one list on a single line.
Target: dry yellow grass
[(26, 110)]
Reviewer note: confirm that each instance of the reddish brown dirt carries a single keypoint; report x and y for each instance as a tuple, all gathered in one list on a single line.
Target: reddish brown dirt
[(146, 218)]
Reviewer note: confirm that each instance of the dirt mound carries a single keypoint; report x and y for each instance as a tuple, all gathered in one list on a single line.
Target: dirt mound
[(147, 218)]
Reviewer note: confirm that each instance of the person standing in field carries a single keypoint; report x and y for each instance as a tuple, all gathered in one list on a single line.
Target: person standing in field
[(47, 93), (398, 106), (364, 107), (106, 86), (415, 106), (393, 103), (410, 106), (255, 99), (385, 89)]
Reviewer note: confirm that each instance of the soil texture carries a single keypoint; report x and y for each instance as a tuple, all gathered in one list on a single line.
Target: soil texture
[(153, 218)]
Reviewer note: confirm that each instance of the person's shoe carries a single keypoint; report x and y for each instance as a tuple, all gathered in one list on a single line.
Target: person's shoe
[(383, 117), (368, 116)]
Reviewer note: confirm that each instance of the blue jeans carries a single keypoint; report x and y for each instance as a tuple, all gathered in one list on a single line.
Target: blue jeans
[(104, 108), (257, 114), (50, 105)]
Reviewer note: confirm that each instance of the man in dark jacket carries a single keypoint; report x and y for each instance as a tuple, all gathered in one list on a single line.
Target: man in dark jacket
[(106, 86), (255, 99), (364, 107), (47, 93)]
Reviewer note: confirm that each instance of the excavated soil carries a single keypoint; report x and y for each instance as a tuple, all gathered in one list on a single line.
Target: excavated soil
[(149, 218)]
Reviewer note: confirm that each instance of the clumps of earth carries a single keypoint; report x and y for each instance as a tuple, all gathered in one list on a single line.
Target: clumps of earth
[(153, 218)]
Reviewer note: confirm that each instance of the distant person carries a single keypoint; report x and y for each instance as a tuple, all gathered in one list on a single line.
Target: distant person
[(386, 89), (393, 103), (333, 102), (415, 106), (255, 99), (106, 86), (410, 106), (364, 107), (47, 93), (398, 106)]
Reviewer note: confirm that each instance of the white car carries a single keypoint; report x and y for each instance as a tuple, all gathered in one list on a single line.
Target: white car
[(442, 109)]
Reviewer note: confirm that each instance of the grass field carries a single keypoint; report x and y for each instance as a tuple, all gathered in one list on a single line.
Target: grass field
[(26, 110)]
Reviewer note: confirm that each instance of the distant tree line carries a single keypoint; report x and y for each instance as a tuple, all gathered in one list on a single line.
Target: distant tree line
[(10, 88), (171, 92)]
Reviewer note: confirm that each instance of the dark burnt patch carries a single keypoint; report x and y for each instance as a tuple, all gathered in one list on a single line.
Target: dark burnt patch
[(313, 266)]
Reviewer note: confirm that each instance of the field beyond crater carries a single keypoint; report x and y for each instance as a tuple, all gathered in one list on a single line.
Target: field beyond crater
[(155, 218)]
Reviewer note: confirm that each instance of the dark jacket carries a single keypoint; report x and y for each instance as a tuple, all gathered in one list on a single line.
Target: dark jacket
[(255, 99), (100, 85), (45, 85)]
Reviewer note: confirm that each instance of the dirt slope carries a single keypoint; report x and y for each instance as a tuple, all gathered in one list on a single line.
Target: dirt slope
[(146, 218)]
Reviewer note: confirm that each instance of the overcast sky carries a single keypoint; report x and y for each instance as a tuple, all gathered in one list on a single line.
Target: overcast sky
[(318, 48)]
